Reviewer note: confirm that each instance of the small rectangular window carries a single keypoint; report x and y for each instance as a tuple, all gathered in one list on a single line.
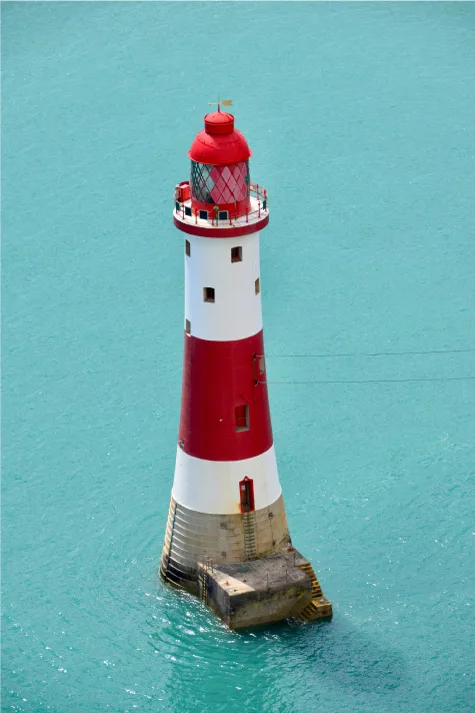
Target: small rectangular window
[(187, 248), (236, 254), (177, 206), (241, 414), (187, 210), (208, 294), (187, 326), (257, 286), (223, 215), (203, 215)]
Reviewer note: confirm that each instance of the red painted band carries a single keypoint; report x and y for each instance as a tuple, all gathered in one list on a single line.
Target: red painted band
[(235, 210), (230, 232), (217, 377)]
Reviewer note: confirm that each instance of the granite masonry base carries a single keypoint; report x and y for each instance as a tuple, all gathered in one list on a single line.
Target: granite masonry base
[(270, 589), (255, 592), (242, 566)]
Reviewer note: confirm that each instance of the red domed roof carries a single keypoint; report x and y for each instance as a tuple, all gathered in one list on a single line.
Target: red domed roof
[(219, 122), (219, 143)]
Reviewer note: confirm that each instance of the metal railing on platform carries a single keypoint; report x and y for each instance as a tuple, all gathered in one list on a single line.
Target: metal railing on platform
[(256, 192)]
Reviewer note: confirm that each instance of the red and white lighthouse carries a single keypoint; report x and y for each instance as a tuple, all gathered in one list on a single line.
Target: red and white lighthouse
[(226, 504)]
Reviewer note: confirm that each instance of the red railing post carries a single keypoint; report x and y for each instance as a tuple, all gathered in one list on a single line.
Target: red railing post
[(183, 211)]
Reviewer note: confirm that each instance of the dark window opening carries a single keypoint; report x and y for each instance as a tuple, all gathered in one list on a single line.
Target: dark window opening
[(236, 254), (246, 494), (241, 414), (187, 248), (264, 204), (187, 326), (187, 210), (223, 215), (208, 294), (177, 206), (203, 215), (257, 286)]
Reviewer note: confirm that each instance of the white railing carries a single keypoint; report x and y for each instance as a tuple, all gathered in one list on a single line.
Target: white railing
[(258, 195)]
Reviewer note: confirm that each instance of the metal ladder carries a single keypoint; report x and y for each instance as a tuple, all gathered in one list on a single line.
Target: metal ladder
[(172, 532), (249, 532), (203, 581)]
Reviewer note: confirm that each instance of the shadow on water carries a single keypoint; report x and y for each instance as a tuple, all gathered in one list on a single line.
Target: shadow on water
[(344, 653), (282, 667)]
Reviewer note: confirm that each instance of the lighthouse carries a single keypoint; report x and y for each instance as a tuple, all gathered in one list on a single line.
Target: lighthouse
[(227, 539)]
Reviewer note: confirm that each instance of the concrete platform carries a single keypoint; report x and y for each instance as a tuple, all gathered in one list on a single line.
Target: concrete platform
[(260, 591)]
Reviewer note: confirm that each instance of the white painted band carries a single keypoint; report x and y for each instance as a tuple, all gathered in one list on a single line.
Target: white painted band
[(236, 312), (213, 486)]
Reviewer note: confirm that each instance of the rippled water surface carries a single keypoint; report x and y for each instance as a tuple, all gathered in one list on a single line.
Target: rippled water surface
[(361, 119)]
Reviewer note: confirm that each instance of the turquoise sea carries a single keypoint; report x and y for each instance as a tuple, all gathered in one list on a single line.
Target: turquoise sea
[(361, 117)]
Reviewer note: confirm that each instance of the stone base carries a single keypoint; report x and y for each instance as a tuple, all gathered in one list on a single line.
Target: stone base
[(242, 565), (193, 537), (270, 589)]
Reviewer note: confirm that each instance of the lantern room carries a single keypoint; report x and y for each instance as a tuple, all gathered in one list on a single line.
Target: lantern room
[(220, 180), (219, 200)]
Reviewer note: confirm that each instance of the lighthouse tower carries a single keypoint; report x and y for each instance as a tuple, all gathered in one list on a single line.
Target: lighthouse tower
[(227, 537)]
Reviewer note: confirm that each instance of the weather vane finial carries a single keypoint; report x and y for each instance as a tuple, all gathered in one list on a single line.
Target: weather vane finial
[(224, 102)]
